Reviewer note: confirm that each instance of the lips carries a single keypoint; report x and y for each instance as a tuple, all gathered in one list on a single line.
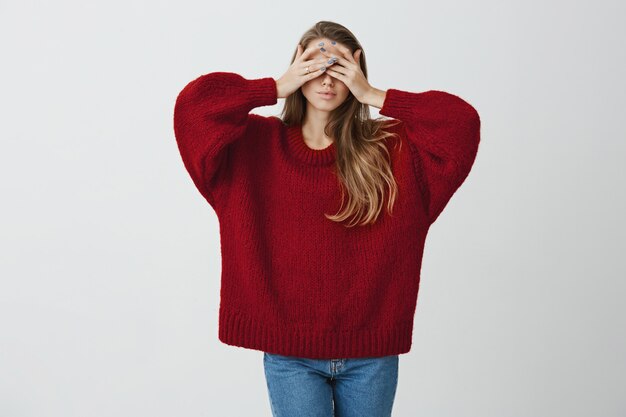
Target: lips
[(326, 93)]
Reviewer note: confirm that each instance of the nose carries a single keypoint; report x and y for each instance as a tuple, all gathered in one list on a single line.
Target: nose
[(327, 79)]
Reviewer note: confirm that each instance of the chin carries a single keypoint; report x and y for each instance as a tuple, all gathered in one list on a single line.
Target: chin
[(326, 106)]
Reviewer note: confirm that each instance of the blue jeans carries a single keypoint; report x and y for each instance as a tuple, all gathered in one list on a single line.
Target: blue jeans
[(303, 387)]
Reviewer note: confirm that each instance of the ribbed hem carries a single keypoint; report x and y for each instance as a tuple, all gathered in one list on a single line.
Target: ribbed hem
[(262, 91), (253, 333), (398, 104), (300, 150)]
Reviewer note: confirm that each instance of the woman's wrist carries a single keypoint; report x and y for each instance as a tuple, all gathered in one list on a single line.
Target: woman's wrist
[(376, 97)]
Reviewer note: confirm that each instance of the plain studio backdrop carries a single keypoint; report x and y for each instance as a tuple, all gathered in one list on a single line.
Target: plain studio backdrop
[(110, 265)]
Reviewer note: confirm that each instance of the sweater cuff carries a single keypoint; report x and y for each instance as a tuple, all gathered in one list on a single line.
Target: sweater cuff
[(398, 104), (262, 91)]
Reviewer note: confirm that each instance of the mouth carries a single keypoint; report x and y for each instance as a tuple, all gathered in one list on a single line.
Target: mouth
[(326, 93)]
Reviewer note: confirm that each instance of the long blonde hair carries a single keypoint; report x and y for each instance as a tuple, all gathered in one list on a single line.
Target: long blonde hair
[(363, 162)]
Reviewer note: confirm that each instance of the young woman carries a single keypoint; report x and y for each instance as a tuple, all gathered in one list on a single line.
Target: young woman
[(323, 216)]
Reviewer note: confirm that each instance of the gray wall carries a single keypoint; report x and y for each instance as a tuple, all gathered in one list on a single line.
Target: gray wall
[(110, 257)]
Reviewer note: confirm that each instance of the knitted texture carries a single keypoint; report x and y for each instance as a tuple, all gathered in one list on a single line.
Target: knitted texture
[(292, 281)]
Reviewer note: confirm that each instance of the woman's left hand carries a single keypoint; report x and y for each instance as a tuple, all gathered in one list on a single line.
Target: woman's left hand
[(347, 69)]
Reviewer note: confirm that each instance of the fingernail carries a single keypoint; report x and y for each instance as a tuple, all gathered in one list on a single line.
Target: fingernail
[(331, 61), (322, 49), (321, 44), (323, 69), (333, 42)]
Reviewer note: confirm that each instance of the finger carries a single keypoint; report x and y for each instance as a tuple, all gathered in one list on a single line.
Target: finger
[(308, 52), (341, 71), (319, 61), (298, 51), (314, 65), (337, 75), (345, 63), (314, 69), (328, 54), (314, 74), (342, 60), (343, 52)]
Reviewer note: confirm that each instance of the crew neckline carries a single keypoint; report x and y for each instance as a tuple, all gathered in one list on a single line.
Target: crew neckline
[(298, 147)]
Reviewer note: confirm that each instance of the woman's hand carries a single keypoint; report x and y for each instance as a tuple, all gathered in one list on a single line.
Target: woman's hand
[(297, 75), (348, 70)]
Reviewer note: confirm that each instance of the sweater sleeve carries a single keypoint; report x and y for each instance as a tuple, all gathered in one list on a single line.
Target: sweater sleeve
[(211, 112), (444, 131)]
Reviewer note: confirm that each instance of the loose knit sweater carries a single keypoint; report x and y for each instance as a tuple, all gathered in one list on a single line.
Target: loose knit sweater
[(292, 281)]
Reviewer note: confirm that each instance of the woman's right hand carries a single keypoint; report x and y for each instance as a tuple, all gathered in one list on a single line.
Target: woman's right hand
[(296, 74)]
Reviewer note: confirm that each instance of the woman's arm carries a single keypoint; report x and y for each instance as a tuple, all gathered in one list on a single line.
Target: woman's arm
[(212, 112), (445, 131)]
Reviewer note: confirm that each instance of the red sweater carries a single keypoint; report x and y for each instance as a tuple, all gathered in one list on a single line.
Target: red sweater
[(292, 281)]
